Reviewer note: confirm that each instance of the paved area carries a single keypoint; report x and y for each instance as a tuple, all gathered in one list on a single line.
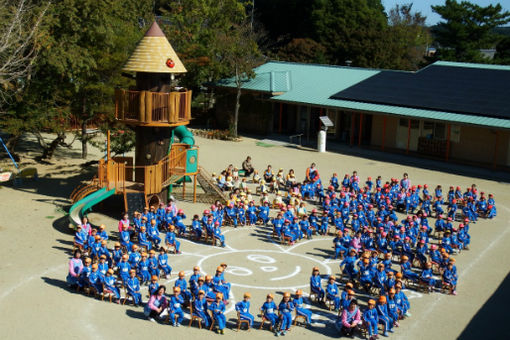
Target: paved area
[(35, 246)]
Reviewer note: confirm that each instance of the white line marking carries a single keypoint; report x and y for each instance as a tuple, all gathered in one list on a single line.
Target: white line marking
[(296, 271), (30, 278), (432, 306)]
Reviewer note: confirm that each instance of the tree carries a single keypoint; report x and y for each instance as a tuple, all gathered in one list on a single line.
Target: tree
[(503, 52), (19, 34), (408, 38), (466, 28), (348, 29), (303, 50), (237, 54)]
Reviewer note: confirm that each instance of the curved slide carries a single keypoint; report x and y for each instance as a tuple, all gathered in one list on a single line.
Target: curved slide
[(85, 204), (184, 135)]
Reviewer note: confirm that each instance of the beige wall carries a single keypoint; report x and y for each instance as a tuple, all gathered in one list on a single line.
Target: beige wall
[(377, 131), (479, 144)]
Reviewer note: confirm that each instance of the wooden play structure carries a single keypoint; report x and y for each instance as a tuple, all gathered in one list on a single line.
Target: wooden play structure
[(158, 111)]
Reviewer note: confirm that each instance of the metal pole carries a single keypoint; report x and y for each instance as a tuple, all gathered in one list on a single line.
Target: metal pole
[(408, 135), (7, 150), (448, 142), (383, 133), (360, 128)]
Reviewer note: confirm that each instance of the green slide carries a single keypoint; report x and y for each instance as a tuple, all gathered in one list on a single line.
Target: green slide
[(184, 135), (81, 207)]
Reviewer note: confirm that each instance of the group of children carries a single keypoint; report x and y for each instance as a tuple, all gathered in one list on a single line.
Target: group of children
[(368, 238)]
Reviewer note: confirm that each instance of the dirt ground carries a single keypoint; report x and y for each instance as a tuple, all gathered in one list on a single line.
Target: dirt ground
[(35, 245)]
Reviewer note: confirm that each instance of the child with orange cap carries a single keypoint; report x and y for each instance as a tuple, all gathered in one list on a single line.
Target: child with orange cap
[(163, 262), (171, 239), (243, 308), (269, 310), (175, 307), (95, 279), (393, 310), (133, 287), (332, 292), (450, 278), (300, 309), (143, 269), (285, 307), (193, 280), (154, 285), (183, 285), (371, 320), (83, 281), (316, 284), (218, 310), (109, 284), (200, 308), (384, 317), (406, 270)]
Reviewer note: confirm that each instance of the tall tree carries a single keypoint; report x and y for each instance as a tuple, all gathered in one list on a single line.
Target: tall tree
[(408, 37), (237, 53), (465, 28), (348, 28)]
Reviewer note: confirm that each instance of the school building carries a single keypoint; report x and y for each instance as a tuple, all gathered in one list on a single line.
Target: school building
[(450, 111)]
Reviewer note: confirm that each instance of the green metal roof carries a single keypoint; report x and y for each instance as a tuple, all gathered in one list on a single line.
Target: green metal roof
[(310, 84), (473, 65)]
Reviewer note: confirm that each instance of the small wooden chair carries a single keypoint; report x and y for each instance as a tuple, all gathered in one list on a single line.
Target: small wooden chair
[(193, 317), (299, 318), (171, 247), (314, 297), (106, 293), (330, 303), (212, 322), (263, 321), (240, 322)]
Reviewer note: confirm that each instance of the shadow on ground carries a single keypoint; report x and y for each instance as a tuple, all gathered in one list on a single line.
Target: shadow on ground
[(491, 321)]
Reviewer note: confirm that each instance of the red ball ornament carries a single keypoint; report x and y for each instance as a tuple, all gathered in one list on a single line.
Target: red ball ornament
[(170, 63)]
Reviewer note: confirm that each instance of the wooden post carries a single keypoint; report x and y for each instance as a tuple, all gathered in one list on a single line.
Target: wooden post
[(108, 145), (408, 135), (183, 187), (352, 128), (448, 134), (494, 162), (280, 123), (148, 106), (383, 133), (360, 128), (195, 189), (141, 97)]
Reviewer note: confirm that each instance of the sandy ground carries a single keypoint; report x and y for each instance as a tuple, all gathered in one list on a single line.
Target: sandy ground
[(35, 246)]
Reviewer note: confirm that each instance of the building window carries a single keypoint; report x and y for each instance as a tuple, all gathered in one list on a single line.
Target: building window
[(415, 124)]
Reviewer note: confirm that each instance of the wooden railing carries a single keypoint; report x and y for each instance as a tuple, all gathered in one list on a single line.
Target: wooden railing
[(112, 174), (147, 107)]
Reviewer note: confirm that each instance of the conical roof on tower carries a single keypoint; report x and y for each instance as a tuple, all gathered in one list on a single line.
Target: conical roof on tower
[(154, 54)]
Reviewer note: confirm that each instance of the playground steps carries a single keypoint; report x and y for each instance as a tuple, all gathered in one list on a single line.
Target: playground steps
[(83, 190), (212, 191), (135, 202), (172, 180)]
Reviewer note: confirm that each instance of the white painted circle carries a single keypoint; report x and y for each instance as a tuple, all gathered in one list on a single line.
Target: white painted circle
[(260, 258), (327, 269), (239, 271), (268, 269)]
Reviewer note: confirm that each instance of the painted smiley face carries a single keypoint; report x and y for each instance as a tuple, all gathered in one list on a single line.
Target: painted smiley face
[(265, 269)]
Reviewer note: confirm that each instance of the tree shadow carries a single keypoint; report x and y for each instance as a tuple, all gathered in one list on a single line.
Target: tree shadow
[(491, 320)]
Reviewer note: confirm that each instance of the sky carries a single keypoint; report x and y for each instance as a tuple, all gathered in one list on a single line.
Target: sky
[(423, 6)]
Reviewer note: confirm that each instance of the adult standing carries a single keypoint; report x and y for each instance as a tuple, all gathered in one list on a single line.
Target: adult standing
[(247, 167), (75, 268)]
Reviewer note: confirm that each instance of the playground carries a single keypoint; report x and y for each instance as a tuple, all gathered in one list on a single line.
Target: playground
[(44, 204), (36, 243)]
